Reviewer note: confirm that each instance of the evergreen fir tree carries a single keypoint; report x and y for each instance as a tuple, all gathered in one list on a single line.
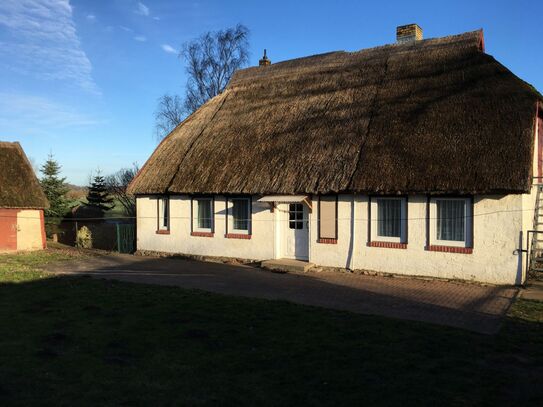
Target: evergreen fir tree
[(98, 196), (55, 190)]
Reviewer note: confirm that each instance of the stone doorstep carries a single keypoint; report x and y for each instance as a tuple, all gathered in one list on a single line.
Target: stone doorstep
[(287, 265)]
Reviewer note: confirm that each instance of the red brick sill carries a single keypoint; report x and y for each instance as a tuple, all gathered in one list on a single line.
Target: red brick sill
[(162, 232), (450, 249), (388, 245), (202, 234), (237, 236), (327, 240)]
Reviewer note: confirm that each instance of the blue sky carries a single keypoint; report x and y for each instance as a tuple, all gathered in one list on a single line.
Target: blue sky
[(81, 78)]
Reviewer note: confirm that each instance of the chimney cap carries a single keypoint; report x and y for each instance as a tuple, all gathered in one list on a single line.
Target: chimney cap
[(265, 61)]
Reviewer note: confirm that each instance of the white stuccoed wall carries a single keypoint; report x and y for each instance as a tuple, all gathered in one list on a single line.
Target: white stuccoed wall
[(498, 223), (497, 226), (259, 247)]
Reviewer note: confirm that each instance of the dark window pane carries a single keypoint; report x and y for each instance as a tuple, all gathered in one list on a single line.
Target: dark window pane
[(389, 217), (240, 213), (165, 212), (204, 214)]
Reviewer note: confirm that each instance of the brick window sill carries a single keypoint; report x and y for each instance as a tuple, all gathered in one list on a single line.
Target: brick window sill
[(202, 234), (326, 240), (162, 232), (237, 236), (388, 245), (450, 249)]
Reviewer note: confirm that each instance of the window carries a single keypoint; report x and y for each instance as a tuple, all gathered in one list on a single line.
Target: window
[(296, 216), (388, 221), (451, 219), (240, 214), (163, 208), (389, 217), (204, 217), (450, 223)]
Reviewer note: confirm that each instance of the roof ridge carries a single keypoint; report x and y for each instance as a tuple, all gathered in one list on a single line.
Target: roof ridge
[(375, 48)]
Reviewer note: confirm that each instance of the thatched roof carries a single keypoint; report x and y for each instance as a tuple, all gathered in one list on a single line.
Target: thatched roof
[(435, 116), (19, 187)]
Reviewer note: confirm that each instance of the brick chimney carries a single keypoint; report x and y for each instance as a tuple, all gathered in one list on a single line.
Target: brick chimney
[(264, 61), (408, 33)]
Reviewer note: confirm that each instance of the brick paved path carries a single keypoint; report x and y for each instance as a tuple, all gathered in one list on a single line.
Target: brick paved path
[(468, 306)]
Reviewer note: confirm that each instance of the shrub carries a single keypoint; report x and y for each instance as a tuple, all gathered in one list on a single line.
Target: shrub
[(84, 238)]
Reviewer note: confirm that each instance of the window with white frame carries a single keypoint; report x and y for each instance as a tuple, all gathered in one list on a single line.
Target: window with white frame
[(451, 222), (203, 208), (241, 214), (163, 209), (389, 219)]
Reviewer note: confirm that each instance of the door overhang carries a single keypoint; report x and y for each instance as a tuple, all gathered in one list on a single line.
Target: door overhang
[(272, 200)]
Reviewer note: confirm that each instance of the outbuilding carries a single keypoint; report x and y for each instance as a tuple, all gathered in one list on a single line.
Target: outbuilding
[(22, 202)]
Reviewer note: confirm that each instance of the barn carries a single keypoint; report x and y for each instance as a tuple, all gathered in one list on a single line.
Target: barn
[(22, 202), (421, 157)]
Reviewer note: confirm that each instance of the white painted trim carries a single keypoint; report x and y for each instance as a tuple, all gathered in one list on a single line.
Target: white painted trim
[(468, 224), (230, 206), (195, 214), (375, 237)]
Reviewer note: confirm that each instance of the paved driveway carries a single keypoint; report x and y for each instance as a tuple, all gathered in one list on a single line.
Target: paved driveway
[(468, 306)]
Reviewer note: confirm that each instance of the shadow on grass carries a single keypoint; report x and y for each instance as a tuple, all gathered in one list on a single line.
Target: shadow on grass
[(471, 307), (82, 341)]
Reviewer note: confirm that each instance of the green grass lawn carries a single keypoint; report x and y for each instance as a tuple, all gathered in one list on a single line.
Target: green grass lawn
[(80, 341)]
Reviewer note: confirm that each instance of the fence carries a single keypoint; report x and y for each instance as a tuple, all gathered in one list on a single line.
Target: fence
[(113, 234)]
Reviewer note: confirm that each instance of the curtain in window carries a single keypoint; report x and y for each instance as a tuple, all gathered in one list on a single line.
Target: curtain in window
[(389, 217), (204, 214), (240, 214), (451, 219)]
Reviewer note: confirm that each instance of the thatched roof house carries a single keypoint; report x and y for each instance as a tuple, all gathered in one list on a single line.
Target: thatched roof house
[(430, 116), (427, 146), (19, 187), (21, 201)]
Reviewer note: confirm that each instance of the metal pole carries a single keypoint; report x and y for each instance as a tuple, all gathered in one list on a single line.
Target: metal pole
[(118, 238)]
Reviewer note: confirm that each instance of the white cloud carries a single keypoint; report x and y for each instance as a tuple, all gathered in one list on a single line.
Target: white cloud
[(91, 18), (168, 48), (127, 29), (140, 38), (36, 114), (142, 9), (156, 18), (41, 41)]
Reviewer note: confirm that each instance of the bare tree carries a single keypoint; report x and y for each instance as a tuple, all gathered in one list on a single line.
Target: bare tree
[(169, 113), (210, 59), (117, 185)]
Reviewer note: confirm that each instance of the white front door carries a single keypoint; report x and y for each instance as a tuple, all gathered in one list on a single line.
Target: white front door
[(296, 232)]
